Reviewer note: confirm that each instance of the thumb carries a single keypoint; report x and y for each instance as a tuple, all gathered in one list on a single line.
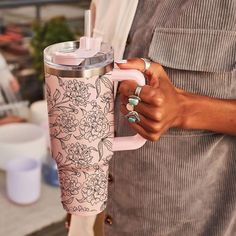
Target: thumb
[(138, 64), (133, 63)]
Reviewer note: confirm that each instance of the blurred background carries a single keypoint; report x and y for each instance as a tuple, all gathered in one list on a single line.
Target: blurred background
[(26, 28)]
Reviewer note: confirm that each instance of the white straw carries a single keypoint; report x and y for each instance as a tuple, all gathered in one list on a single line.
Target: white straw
[(87, 23)]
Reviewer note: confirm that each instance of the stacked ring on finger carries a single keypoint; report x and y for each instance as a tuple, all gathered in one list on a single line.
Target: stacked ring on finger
[(133, 101), (133, 117), (138, 90)]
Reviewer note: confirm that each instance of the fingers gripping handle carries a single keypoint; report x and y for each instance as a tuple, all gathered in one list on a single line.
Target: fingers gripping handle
[(136, 141), (120, 75)]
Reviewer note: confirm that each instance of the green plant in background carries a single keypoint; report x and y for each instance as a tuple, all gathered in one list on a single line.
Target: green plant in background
[(55, 30)]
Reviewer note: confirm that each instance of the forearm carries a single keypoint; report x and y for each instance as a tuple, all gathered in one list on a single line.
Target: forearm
[(200, 112)]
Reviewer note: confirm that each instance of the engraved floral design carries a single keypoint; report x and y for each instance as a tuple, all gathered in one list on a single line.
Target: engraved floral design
[(81, 129), (80, 154), (80, 209), (95, 187), (67, 122), (105, 81), (70, 185), (77, 92), (94, 125), (106, 160), (107, 98)]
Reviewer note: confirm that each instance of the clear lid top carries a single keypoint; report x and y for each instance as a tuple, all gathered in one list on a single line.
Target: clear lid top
[(73, 55)]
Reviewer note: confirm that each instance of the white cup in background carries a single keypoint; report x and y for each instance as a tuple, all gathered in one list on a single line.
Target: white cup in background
[(23, 180), (39, 116), (22, 140), (39, 112)]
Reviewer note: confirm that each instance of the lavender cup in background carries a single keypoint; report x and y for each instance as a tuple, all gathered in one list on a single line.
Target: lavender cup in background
[(23, 180)]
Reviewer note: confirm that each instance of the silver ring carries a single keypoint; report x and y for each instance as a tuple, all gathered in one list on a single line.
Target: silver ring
[(147, 64), (134, 100), (138, 90), (132, 117)]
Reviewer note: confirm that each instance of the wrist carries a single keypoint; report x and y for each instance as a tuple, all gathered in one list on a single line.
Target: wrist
[(197, 112), (189, 109), (205, 113)]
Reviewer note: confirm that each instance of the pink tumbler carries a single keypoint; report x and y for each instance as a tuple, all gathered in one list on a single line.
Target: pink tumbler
[(80, 97)]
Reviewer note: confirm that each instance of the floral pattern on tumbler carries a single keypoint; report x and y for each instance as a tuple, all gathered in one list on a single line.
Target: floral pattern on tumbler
[(81, 120)]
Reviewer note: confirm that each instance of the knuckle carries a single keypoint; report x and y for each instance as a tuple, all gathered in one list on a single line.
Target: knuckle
[(157, 115), (160, 100), (152, 93), (157, 127), (156, 96), (154, 137)]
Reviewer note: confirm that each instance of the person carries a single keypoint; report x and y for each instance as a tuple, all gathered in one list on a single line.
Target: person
[(7, 82), (181, 182)]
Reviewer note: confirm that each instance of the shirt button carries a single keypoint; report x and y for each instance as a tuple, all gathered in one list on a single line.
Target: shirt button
[(108, 220), (110, 178)]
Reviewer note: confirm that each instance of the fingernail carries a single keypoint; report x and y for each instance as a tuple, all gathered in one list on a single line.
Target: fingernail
[(121, 61)]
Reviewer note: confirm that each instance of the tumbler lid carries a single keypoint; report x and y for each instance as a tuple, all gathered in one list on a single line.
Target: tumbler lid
[(78, 59)]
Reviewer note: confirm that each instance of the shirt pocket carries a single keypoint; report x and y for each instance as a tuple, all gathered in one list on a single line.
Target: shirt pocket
[(194, 49), (200, 61)]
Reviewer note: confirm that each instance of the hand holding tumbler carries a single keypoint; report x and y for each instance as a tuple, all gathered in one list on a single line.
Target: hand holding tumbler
[(80, 97)]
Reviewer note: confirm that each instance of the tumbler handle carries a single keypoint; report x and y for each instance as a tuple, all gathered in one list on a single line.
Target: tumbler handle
[(135, 141)]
